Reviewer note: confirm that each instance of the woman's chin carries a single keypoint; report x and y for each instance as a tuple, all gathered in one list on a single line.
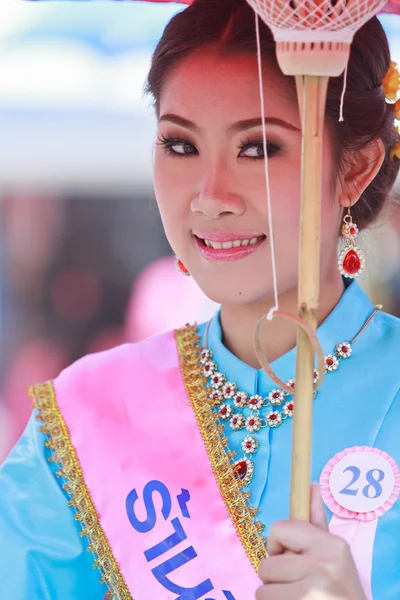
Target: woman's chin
[(231, 293), (242, 286)]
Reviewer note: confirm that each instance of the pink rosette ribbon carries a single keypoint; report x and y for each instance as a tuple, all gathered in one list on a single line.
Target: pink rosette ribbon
[(359, 485)]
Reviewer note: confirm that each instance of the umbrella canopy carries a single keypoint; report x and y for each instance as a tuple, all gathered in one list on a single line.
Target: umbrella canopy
[(392, 7)]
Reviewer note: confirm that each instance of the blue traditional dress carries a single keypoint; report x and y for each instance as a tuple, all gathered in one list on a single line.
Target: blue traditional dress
[(43, 557)]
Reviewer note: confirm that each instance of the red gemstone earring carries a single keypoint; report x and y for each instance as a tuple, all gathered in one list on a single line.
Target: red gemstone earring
[(351, 260), (181, 267)]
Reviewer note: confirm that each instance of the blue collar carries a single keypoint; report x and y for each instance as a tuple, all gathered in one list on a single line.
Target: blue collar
[(346, 319)]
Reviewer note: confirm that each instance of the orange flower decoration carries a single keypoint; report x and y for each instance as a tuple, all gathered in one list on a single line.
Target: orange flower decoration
[(395, 151), (391, 83), (397, 110)]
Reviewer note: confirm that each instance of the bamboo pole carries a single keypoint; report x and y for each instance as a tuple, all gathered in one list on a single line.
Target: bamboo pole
[(312, 92)]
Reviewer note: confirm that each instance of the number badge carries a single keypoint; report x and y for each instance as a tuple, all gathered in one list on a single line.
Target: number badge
[(360, 483)]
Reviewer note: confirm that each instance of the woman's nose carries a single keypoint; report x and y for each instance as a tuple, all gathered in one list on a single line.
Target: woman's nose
[(216, 198)]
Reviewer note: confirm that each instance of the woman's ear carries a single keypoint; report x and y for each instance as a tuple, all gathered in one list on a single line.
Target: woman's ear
[(362, 168)]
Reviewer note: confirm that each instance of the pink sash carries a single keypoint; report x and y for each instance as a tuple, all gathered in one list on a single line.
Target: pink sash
[(149, 474), (150, 477)]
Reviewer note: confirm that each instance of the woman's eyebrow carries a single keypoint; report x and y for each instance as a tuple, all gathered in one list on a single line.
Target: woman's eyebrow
[(179, 121), (256, 122), (238, 126)]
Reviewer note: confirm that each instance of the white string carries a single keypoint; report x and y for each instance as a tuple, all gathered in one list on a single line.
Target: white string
[(271, 231), (343, 93)]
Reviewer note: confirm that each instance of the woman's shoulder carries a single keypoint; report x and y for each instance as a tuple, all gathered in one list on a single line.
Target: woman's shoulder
[(386, 344), (390, 326), (155, 351), (112, 378), (384, 365), (378, 355), (382, 376)]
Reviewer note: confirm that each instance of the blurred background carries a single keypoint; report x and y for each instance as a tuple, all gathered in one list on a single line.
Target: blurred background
[(83, 258)]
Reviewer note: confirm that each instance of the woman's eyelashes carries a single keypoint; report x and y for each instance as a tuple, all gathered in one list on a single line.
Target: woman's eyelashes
[(251, 149), (176, 146), (254, 149)]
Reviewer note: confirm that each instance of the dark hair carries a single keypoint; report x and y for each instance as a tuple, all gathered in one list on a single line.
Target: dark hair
[(229, 26)]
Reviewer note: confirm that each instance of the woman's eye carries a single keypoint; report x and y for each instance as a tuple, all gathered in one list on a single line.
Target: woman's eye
[(255, 150), (182, 148), (176, 147)]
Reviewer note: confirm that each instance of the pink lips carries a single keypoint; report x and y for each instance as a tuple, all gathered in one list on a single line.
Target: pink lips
[(228, 254)]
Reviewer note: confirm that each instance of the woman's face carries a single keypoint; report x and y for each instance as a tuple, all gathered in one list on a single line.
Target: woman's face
[(210, 179)]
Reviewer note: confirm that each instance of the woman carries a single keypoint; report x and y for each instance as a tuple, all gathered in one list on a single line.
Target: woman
[(175, 452)]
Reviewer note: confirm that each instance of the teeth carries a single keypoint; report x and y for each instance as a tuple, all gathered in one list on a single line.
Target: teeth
[(232, 244)]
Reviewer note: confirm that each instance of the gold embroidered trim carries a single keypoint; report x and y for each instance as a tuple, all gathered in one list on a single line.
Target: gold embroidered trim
[(64, 455), (236, 500)]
